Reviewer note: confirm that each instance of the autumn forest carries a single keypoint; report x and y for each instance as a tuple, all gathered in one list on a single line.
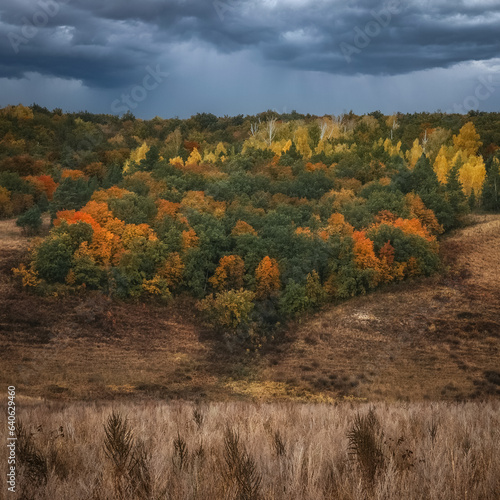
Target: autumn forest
[(259, 218)]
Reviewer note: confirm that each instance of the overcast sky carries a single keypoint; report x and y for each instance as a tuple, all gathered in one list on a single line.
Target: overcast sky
[(227, 57)]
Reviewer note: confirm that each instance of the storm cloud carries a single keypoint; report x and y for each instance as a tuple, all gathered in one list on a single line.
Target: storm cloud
[(245, 48)]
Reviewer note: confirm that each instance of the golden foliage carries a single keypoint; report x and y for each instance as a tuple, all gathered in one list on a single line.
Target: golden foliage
[(228, 309), (301, 140), (28, 276), (114, 192), (157, 287), (172, 270), (72, 174), (194, 157), (472, 175), (177, 162), (137, 155), (242, 227), (413, 154), (467, 140), (441, 165)]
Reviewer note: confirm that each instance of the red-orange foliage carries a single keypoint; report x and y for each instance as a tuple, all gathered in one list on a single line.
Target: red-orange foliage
[(72, 217), (106, 247), (189, 239), (422, 213), (49, 185), (267, 276), (310, 167), (99, 211), (387, 267), (413, 226), (242, 227), (229, 273), (385, 217), (43, 184), (363, 250), (72, 174), (304, 231), (365, 257), (167, 209), (412, 267), (190, 145)]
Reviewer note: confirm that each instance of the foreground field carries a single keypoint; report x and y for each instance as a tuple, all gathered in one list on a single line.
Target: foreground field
[(259, 451), (434, 338)]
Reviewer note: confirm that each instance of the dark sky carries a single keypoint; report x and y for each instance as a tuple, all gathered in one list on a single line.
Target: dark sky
[(180, 57)]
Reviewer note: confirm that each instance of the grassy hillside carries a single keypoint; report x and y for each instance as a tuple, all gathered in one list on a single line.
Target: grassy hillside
[(430, 338)]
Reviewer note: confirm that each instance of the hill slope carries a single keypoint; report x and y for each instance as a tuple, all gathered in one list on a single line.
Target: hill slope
[(435, 338)]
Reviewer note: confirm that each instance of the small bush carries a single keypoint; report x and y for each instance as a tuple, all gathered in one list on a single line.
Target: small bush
[(31, 220)]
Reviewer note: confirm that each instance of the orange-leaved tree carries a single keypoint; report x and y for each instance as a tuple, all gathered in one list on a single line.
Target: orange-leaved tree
[(229, 273), (189, 239), (267, 276), (425, 215), (365, 257), (242, 227)]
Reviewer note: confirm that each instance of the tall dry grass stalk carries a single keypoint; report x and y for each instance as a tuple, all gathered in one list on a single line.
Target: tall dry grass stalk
[(176, 450)]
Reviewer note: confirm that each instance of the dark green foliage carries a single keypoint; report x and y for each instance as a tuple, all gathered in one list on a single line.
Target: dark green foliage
[(14, 183), (491, 188), (53, 258), (424, 178), (151, 160), (78, 232), (87, 272), (385, 198), (31, 220), (113, 176), (43, 203), (71, 195), (140, 262), (357, 214), (454, 191), (472, 200), (294, 299), (133, 209)]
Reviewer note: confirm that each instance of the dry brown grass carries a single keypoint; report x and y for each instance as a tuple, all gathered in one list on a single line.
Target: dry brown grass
[(435, 338), (441, 450)]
